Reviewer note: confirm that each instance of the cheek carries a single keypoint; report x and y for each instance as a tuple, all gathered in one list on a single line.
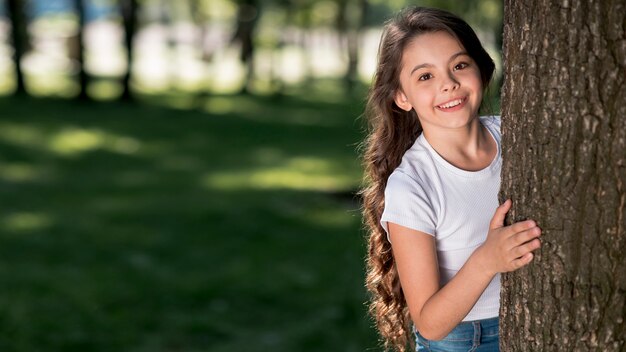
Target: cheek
[(476, 85), (477, 81), (423, 98)]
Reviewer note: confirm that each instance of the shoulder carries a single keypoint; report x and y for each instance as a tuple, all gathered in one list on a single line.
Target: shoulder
[(493, 124), (409, 203), (415, 163), (400, 181), (407, 185), (417, 173), (491, 121)]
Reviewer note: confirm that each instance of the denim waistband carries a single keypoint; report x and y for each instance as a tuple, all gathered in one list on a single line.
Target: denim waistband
[(469, 333)]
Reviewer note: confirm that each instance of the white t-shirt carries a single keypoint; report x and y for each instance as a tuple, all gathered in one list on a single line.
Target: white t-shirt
[(428, 194)]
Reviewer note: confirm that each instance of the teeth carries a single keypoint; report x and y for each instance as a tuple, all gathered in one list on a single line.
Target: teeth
[(451, 104)]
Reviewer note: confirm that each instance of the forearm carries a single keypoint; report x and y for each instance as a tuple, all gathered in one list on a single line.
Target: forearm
[(437, 310), (450, 304)]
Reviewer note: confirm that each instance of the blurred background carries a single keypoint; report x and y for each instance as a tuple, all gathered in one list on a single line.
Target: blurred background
[(202, 197)]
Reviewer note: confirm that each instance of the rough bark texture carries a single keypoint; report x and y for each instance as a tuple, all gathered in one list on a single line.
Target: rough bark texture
[(564, 150)]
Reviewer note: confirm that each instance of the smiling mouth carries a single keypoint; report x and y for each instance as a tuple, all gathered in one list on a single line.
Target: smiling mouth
[(451, 104)]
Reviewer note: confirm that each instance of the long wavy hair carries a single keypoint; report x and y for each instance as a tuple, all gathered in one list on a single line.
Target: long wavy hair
[(391, 132)]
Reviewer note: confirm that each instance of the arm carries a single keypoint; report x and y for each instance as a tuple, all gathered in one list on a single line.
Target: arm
[(436, 311)]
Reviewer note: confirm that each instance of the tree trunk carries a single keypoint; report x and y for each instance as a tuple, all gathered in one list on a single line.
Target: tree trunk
[(247, 18), (350, 21), (129, 14), (20, 39), (80, 55), (564, 151), (200, 21)]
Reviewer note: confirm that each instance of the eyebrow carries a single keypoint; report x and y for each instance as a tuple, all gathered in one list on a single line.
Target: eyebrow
[(430, 65)]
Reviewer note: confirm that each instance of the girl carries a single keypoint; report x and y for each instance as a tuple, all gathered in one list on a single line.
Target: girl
[(437, 242)]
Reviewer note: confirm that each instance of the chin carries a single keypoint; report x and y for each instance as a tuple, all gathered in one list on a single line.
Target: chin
[(461, 121)]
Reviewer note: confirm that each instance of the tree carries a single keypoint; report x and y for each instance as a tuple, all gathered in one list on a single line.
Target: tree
[(80, 55), (351, 31), (129, 15), (247, 18), (564, 151), (200, 19), (20, 41)]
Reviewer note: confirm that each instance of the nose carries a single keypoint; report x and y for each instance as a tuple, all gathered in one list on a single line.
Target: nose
[(450, 83)]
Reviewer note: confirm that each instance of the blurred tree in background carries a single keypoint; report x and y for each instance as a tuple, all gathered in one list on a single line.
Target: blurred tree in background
[(204, 46), (247, 17), (83, 78), (19, 41), (129, 16)]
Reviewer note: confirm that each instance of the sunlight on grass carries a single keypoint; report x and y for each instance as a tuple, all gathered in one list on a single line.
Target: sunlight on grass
[(7, 83), (220, 105), (69, 141), (268, 156), (329, 217), (76, 141), (26, 221), (253, 110), (179, 162), (224, 105), (95, 192), (19, 172), (73, 141), (21, 135), (51, 84), (297, 173), (105, 89)]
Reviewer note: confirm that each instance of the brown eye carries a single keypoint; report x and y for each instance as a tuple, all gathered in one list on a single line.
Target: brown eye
[(460, 66), (425, 77)]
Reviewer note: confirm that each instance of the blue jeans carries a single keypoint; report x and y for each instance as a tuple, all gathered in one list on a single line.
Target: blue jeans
[(468, 336)]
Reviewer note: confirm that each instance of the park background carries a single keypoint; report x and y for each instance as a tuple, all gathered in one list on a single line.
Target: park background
[(202, 198)]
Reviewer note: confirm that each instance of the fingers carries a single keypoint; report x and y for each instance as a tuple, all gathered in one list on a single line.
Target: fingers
[(522, 244), (498, 218), (522, 261), (524, 236), (517, 242), (526, 248), (522, 225)]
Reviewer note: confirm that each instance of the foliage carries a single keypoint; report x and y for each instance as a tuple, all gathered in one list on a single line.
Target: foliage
[(198, 44)]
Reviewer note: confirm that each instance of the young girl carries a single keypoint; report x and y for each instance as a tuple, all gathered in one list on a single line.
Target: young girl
[(437, 242)]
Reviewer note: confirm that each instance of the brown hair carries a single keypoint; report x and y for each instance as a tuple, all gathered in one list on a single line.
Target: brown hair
[(391, 132)]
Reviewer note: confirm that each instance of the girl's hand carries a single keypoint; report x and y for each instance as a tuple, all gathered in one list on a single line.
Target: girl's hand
[(508, 248)]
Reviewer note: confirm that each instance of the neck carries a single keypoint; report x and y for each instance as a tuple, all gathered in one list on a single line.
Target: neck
[(469, 147)]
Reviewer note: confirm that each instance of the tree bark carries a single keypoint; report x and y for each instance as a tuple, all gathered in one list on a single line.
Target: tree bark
[(564, 151)]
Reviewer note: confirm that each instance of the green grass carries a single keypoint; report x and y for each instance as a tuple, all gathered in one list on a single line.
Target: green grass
[(224, 225)]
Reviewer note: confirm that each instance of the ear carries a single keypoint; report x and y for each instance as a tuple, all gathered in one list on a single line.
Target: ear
[(402, 101)]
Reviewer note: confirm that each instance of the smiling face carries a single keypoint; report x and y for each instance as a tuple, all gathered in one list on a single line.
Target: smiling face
[(440, 81)]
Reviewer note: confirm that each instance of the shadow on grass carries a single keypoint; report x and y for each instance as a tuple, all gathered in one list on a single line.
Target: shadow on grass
[(225, 226)]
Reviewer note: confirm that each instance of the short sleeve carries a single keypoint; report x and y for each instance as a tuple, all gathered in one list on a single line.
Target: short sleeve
[(407, 204)]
